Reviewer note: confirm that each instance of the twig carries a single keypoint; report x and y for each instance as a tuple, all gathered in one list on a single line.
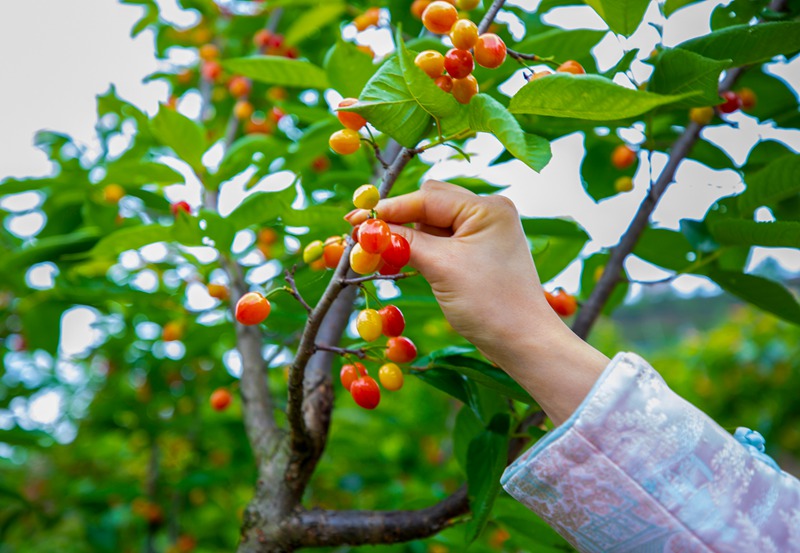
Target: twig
[(376, 149), (293, 289), (491, 13), (359, 280), (360, 353), (520, 56)]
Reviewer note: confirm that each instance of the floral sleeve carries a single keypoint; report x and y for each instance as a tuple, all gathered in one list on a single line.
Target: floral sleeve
[(637, 468)]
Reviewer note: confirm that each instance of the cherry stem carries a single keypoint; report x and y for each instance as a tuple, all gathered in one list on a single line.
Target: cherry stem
[(376, 148), (344, 352), (521, 57), (377, 276), (293, 290)]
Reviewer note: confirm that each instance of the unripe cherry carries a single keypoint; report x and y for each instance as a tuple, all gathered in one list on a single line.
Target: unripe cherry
[(439, 17), (366, 196), (464, 89), (458, 63), (490, 50), (369, 325), (701, 116), (362, 262), (172, 331), (243, 110), (211, 70), (369, 18), (748, 98), (351, 373), (313, 251), (332, 253), (252, 308), (467, 4), (218, 291), (345, 141), (571, 66), (239, 86), (113, 193), (623, 184), (350, 119), (180, 207), (431, 62), (464, 34), (391, 377)]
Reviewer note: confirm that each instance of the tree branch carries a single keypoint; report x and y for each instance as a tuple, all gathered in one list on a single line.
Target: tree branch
[(294, 291), (491, 13), (321, 528), (360, 353), (359, 280)]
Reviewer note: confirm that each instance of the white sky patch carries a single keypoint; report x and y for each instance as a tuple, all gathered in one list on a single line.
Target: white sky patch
[(78, 331), (45, 407)]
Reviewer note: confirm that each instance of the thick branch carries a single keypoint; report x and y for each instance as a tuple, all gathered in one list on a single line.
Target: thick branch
[(320, 528)]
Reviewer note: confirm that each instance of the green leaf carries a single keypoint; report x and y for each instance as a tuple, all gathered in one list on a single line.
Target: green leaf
[(665, 248), (563, 44), (53, 248), (598, 175), (562, 243), (696, 232), (775, 98), (622, 65), (748, 44), (621, 16), (241, 153), (739, 232), (311, 21), (678, 71), (348, 68), (450, 115), (585, 97), (280, 71), (130, 238), (466, 428), (262, 207), (671, 6), (185, 137), (389, 106), (446, 381), (488, 115), (761, 292), (486, 460), (481, 372), (775, 182), (710, 155), (131, 172), (589, 278)]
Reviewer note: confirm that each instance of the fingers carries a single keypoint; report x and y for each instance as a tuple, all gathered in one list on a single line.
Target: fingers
[(424, 248)]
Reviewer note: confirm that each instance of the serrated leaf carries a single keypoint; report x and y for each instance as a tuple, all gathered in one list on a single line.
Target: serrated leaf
[(761, 292), (389, 106), (585, 97), (185, 137), (486, 460), (280, 71), (348, 68), (739, 232), (748, 44), (678, 71), (621, 16), (775, 182), (488, 115), (311, 21)]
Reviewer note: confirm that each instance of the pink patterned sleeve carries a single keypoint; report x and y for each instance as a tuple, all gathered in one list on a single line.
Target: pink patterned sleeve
[(639, 469)]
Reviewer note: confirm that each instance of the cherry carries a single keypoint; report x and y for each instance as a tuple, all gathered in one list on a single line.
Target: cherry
[(220, 399), (571, 66), (345, 141), (490, 50), (540, 74), (464, 89), (366, 49), (252, 308), (366, 196), (218, 291), (398, 252), (393, 322), (458, 63), (313, 251), (439, 17), (267, 236), (374, 236), (258, 126), (445, 82), (391, 377), (363, 262), (181, 206), (208, 52), (562, 303), (211, 70), (276, 114), (239, 87), (369, 325), (354, 234), (369, 18), (243, 110), (350, 119), (365, 392), (351, 373), (464, 34), (418, 6), (623, 184), (261, 38), (732, 102), (172, 331), (332, 253), (113, 193), (320, 164), (431, 62), (400, 350), (622, 157), (701, 116), (467, 4), (748, 98), (387, 269)]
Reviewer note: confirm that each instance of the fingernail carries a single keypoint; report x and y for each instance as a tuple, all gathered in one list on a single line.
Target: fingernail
[(349, 215)]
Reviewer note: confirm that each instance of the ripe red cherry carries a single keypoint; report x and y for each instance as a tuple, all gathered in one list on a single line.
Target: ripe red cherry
[(458, 63), (211, 70), (177, 207), (393, 321), (562, 303), (387, 269), (397, 253), (350, 119), (400, 350), (445, 82), (365, 392), (220, 399), (354, 234), (732, 102), (252, 308), (351, 373), (374, 236), (490, 50), (439, 17)]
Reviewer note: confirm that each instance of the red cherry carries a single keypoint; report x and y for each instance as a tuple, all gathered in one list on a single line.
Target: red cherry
[(458, 63), (400, 350), (351, 373), (220, 399), (393, 321), (490, 50), (365, 392), (332, 253), (180, 206), (354, 234), (387, 269), (397, 253), (252, 308), (732, 102), (374, 236)]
